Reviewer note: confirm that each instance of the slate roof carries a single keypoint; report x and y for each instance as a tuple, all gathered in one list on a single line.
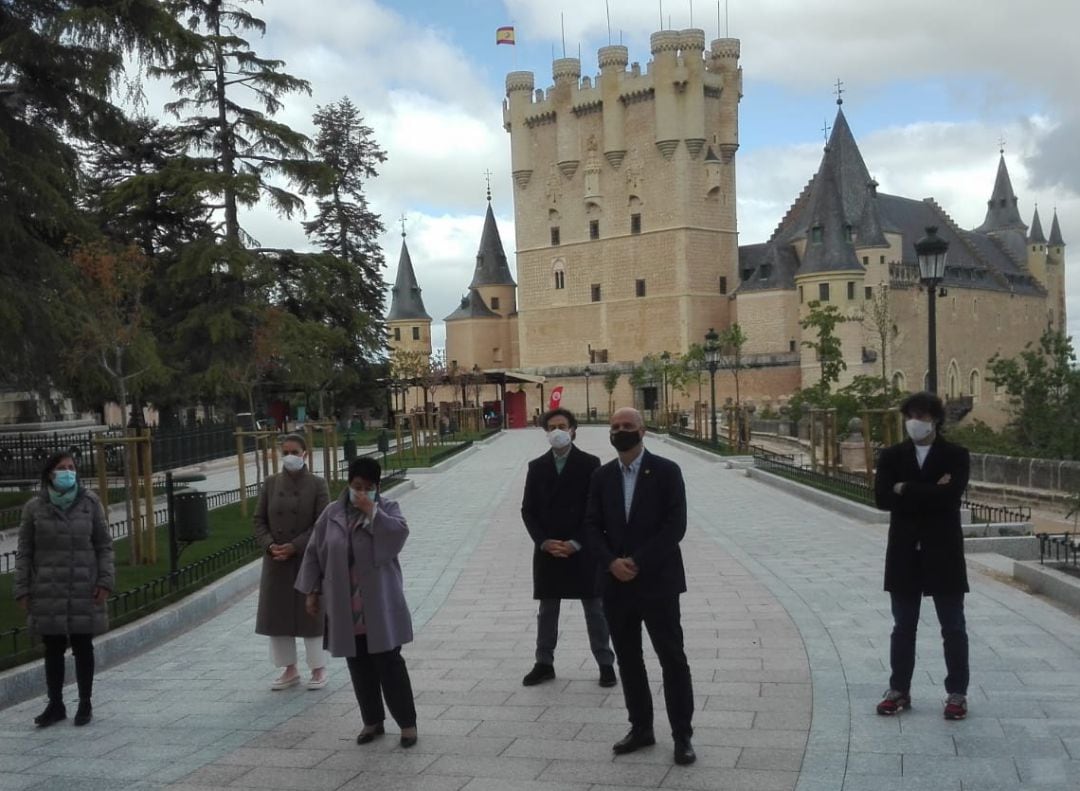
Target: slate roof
[(1055, 233), (1001, 210), (843, 193), (406, 303), (1035, 235), (491, 267), (472, 307)]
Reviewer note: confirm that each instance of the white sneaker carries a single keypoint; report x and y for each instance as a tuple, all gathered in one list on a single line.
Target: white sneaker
[(284, 681), (319, 679)]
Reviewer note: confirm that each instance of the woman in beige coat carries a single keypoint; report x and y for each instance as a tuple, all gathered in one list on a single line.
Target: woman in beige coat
[(289, 504)]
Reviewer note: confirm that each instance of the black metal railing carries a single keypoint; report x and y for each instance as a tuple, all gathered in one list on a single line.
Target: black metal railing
[(780, 464), (1059, 548), (124, 606), (988, 514)]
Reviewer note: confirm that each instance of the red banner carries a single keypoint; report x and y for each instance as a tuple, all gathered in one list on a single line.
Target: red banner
[(556, 397)]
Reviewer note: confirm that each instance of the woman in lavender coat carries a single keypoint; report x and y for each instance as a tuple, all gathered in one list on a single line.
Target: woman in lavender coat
[(351, 564)]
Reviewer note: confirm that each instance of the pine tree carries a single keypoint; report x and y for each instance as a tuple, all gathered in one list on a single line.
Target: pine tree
[(59, 62), (344, 225)]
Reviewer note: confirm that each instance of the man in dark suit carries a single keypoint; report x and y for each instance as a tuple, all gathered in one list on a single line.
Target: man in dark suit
[(635, 521), (921, 482), (553, 509)]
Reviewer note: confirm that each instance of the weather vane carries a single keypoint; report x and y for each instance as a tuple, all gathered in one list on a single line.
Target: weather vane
[(1001, 144), (402, 225), (839, 91), (487, 177), (825, 130)]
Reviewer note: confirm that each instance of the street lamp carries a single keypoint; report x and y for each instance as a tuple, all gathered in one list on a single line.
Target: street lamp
[(712, 362), (931, 251), (588, 411)]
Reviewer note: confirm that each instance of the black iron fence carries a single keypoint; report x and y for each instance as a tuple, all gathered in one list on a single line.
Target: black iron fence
[(855, 486), (1061, 549), (23, 455)]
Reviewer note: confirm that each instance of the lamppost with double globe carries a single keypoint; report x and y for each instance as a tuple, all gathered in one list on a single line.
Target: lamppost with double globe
[(932, 252), (712, 362)]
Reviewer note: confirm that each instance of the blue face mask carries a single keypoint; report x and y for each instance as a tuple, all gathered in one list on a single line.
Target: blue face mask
[(63, 480)]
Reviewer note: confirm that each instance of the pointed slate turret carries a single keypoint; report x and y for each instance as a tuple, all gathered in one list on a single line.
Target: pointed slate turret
[(472, 307), (829, 247), (1055, 233), (1002, 213), (406, 303), (491, 267), (1035, 235)]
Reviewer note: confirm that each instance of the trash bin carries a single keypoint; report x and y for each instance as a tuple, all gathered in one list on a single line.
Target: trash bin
[(349, 448), (192, 516)]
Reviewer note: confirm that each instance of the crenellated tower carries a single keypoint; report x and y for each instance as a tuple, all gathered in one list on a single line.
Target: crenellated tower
[(624, 201)]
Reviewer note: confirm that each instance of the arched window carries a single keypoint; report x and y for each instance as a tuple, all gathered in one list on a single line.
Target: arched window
[(975, 385), (954, 380), (558, 272), (898, 381)]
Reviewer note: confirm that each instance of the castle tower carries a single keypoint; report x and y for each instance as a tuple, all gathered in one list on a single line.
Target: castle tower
[(1002, 213), (408, 323), (625, 225), (1055, 267), (1036, 249), (483, 329)]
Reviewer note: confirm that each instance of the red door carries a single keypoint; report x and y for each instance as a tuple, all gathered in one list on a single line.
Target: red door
[(516, 410)]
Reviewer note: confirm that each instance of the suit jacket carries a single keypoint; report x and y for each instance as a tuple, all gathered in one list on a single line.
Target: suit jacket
[(553, 506), (650, 536), (925, 553)]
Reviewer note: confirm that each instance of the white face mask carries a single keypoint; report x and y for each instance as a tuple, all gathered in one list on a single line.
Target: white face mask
[(559, 438), (293, 463), (918, 430)]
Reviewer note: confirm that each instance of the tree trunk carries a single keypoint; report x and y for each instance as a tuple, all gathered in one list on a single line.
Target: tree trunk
[(232, 218)]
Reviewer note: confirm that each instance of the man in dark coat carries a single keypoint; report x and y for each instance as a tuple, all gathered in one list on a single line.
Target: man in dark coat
[(921, 482), (635, 520), (553, 509)]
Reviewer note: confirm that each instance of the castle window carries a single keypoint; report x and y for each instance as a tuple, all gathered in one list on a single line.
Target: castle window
[(723, 284), (847, 233), (635, 223), (866, 260), (496, 354), (851, 290), (554, 236), (800, 295), (816, 234), (882, 261), (791, 346), (595, 292), (594, 229), (868, 292), (560, 279), (823, 292), (416, 333), (975, 386), (639, 288), (746, 273), (397, 333), (764, 271), (975, 306), (494, 303)]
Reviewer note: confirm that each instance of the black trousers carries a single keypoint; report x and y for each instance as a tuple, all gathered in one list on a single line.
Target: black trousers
[(950, 613), (82, 648), (375, 676), (661, 617)]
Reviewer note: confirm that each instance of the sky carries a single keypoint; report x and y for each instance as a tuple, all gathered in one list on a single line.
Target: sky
[(931, 89)]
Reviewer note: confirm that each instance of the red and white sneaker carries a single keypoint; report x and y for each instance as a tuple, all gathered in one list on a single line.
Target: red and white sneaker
[(894, 702), (956, 706)]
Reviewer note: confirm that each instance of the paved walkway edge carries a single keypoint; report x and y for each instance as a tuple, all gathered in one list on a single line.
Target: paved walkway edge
[(26, 681), (863, 513)]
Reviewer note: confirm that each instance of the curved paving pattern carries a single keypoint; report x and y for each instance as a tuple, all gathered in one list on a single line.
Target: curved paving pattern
[(787, 634)]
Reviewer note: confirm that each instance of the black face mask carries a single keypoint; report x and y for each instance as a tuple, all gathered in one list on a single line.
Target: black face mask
[(623, 441)]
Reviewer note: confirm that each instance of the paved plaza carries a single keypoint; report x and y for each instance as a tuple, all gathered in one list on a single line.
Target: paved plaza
[(786, 630)]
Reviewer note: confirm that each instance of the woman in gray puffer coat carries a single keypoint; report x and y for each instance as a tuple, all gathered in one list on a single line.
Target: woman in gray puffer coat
[(63, 575)]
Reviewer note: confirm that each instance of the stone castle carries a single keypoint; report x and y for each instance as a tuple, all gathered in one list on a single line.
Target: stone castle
[(627, 245)]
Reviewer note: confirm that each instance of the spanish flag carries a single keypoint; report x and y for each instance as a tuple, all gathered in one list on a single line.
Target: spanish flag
[(505, 35)]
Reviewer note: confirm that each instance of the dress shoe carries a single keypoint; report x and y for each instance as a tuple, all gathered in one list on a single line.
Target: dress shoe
[(634, 740), (684, 751), (607, 676), (538, 674), (409, 741), (53, 713), (84, 713), (368, 736), (284, 681)]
